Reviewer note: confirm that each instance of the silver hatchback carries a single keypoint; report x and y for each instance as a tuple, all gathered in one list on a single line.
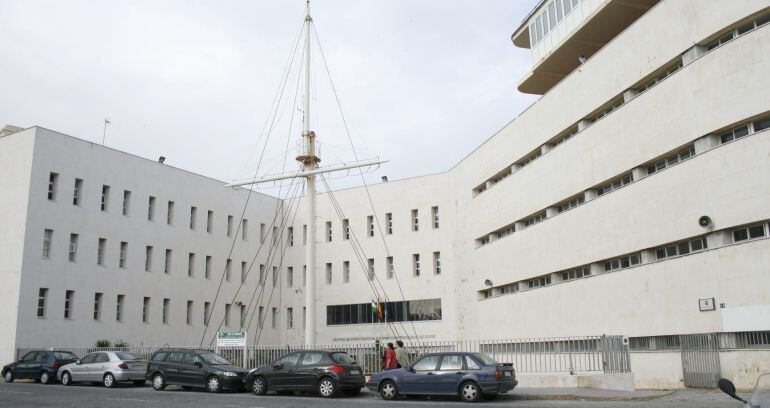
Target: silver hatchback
[(106, 367)]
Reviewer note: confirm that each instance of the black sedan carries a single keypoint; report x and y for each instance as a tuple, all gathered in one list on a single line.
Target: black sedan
[(40, 365), (327, 372)]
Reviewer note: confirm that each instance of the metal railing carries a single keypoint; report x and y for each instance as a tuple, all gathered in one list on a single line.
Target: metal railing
[(727, 341), (605, 354)]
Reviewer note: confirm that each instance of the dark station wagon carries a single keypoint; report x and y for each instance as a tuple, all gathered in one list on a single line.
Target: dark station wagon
[(193, 369)]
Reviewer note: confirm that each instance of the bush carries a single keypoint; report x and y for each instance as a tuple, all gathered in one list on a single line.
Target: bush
[(121, 343), (102, 343)]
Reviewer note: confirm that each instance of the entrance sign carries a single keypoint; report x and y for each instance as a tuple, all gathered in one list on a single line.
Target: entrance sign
[(231, 339)]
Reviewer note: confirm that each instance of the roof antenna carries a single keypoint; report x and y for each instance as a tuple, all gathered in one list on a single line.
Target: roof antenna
[(104, 134)]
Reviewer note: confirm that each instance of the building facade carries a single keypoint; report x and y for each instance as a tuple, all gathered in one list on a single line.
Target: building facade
[(631, 198)]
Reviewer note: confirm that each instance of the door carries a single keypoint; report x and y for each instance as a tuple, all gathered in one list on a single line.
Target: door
[(97, 369), (22, 369), (190, 373), (282, 371), (35, 367), (700, 360), (450, 374), (79, 372), (421, 378), (304, 376), (172, 367)]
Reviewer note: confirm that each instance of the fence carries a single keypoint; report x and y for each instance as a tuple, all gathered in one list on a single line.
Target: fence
[(605, 354)]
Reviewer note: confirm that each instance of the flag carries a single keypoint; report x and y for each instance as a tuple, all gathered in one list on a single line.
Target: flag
[(385, 307), (374, 308), (379, 308)]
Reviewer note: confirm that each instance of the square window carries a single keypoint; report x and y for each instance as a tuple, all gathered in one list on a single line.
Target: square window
[(684, 248), (761, 124), (625, 262), (757, 231), (740, 235), (741, 131), (671, 251), (660, 253), (696, 245)]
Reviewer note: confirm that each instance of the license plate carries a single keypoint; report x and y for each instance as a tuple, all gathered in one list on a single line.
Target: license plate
[(355, 372), (507, 373)]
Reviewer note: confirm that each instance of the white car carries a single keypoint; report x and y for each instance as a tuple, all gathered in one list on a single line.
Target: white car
[(106, 367)]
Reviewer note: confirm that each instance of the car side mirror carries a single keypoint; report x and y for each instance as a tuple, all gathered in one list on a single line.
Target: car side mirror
[(410, 369), (728, 388), (277, 366), (198, 364), (78, 362)]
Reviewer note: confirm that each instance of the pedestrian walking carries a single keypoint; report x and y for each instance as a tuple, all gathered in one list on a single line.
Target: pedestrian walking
[(390, 358), (402, 355)]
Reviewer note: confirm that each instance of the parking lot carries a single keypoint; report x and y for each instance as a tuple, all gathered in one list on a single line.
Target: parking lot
[(29, 394)]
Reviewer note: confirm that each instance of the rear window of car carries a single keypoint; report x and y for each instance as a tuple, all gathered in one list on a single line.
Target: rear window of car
[(64, 355), (127, 356), (342, 358), (159, 356), (485, 359)]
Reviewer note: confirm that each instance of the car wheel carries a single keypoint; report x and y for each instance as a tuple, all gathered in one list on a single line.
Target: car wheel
[(470, 391), (139, 383), (388, 390), (158, 382), (66, 378), (259, 386), (327, 388), (213, 384), (45, 378), (353, 392), (109, 380), (8, 376)]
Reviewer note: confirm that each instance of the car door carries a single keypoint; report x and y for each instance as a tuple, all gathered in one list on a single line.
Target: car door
[(79, 372), (172, 367), (36, 366), (22, 369), (451, 372), (97, 369), (311, 365), (279, 376), (191, 373), (420, 377)]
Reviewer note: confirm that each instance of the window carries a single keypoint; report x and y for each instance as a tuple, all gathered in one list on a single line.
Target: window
[(416, 264), (151, 209), (262, 232), (681, 248), (275, 235), (105, 197), (229, 225), (193, 217), (671, 160), (539, 282), (261, 317), (275, 318), (207, 272), (346, 271), (437, 263), (227, 314), (261, 274), (614, 185), (389, 223), (166, 305), (730, 35), (665, 73), (290, 361), (210, 221), (751, 232), (606, 111), (290, 236), (73, 252), (434, 216), (469, 362), (451, 362), (123, 254), (534, 219), (508, 289), (97, 306), (304, 275), (622, 262), (191, 264), (289, 318), (77, 191), (304, 235), (345, 229), (119, 307), (328, 273), (42, 296), (304, 316), (510, 229), (167, 262), (206, 312), (736, 133), (580, 199), (189, 312), (170, 213), (148, 258), (228, 267), (370, 264), (53, 179), (100, 250), (289, 276), (146, 310), (328, 231), (47, 235), (244, 271), (242, 313), (389, 268), (578, 273), (68, 299), (370, 225), (415, 221), (126, 201), (245, 227), (761, 124), (275, 275), (362, 313)]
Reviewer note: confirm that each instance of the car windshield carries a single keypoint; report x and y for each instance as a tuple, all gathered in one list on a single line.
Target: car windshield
[(127, 356), (487, 360), (213, 359), (64, 355), (342, 358)]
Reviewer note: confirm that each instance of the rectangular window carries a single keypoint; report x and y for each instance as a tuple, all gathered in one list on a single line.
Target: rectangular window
[(242, 311), (345, 229), (304, 235), (170, 213), (42, 298), (210, 221), (146, 309), (751, 232), (227, 314), (47, 236), (671, 160), (191, 264), (100, 251), (97, 306), (552, 15), (73, 252), (189, 312), (622, 262), (261, 274), (105, 197), (416, 264), (289, 318), (580, 199), (415, 221), (275, 275), (126, 201), (229, 225), (275, 236), (119, 307), (275, 318), (244, 271), (328, 273), (437, 263), (534, 219), (151, 209), (539, 282), (77, 191), (370, 225), (123, 255), (370, 264), (681, 248), (762, 124), (578, 273), (391, 271), (413, 310), (289, 276), (69, 297), (560, 10), (290, 236), (389, 223), (304, 316), (434, 216), (228, 267), (346, 271), (614, 185), (148, 258), (244, 229), (206, 312), (261, 317), (532, 35), (193, 217), (262, 232), (207, 272), (167, 262), (304, 275), (328, 231), (53, 180)]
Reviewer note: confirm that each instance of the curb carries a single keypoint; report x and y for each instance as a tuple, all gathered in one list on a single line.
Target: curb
[(574, 397)]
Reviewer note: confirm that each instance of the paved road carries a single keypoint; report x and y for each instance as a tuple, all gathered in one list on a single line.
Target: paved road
[(24, 394)]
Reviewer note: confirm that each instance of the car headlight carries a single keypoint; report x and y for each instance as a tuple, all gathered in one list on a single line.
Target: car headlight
[(230, 374)]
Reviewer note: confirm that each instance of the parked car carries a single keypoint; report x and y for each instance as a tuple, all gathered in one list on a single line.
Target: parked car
[(193, 369), (107, 367), (327, 372), (39, 365), (471, 376)]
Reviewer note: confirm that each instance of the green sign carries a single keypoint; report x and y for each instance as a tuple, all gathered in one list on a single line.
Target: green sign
[(225, 339)]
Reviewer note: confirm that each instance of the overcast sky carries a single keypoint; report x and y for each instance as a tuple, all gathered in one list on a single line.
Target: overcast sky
[(421, 82)]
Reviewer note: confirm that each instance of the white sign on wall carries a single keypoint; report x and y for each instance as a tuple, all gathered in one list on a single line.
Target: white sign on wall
[(231, 339)]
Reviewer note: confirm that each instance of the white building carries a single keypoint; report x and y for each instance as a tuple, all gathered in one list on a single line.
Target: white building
[(631, 198)]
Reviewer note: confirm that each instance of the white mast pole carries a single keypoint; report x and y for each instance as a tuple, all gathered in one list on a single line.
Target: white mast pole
[(310, 161)]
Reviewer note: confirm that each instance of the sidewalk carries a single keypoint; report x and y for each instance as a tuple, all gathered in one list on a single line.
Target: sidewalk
[(586, 394)]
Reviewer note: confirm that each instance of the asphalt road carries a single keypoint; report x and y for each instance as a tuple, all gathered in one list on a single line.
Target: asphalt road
[(27, 394)]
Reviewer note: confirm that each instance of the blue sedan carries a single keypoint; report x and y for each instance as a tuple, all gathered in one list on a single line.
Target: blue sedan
[(472, 376)]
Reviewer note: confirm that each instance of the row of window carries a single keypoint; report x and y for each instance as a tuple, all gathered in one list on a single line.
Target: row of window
[(370, 225), (552, 15), (376, 312), (735, 33), (663, 252)]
